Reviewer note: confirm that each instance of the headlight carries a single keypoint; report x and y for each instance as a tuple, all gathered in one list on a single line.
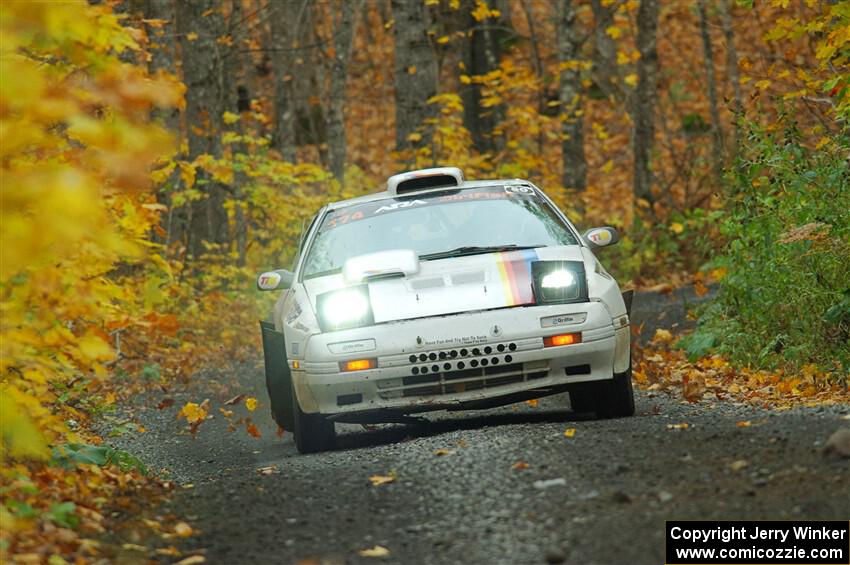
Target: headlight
[(346, 308), (559, 281)]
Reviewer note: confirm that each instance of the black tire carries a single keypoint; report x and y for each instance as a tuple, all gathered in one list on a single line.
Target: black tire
[(313, 432), (615, 398), (583, 397)]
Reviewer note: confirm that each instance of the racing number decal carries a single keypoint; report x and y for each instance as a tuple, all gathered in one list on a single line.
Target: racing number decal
[(342, 219)]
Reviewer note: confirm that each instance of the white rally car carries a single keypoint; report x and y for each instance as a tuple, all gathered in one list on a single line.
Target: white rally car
[(441, 293)]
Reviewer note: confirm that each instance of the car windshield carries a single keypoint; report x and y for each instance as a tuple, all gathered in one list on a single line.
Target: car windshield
[(437, 225)]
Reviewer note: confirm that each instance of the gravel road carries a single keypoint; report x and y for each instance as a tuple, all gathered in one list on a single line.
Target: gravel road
[(600, 496)]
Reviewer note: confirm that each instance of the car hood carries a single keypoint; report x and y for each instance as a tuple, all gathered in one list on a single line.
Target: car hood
[(452, 285)]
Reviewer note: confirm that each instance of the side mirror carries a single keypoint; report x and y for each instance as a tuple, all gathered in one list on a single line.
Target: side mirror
[(275, 280), (601, 237)]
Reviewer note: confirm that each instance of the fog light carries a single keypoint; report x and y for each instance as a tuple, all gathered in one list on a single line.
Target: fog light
[(357, 365), (562, 339)]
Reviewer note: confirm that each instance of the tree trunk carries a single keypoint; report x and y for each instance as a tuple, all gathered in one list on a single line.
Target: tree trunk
[(605, 73), (285, 21), (163, 53), (572, 144), (482, 55), (342, 19), (163, 57), (239, 70), (732, 65), (415, 73), (716, 131), (199, 24), (643, 107)]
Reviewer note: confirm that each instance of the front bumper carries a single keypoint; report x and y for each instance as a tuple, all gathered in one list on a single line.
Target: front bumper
[(456, 360)]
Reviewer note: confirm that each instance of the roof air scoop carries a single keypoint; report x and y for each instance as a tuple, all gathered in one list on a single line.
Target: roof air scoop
[(424, 179)]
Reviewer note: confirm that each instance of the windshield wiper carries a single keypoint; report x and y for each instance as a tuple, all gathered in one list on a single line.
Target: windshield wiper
[(474, 250)]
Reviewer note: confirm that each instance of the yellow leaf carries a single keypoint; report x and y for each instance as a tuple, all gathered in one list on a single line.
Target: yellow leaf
[(763, 84), (251, 403), (662, 336), (677, 228), (569, 432), (414, 137), (614, 32), (631, 79), (183, 529), (622, 58), (192, 412), (230, 118), (377, 551), (411, 70), (378, 480), (533, 402), (682, 426), (465, 79), (191, 36), (443, 40), (442, 452)]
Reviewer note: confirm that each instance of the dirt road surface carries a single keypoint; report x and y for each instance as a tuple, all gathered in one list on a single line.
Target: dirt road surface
[(460, 494)]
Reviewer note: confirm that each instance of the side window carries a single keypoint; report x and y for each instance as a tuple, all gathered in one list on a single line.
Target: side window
[(303, 238)]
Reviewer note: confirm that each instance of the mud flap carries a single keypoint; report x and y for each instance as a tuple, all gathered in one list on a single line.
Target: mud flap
[(628, 296), (278, 376)]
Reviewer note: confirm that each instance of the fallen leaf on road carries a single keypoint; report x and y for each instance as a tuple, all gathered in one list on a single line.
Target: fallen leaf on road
[(520, 465), (682, 426), (183, 529), (251, 404), (235, 400), (442, 452), (559, 482), (377, 551), (532, 402), (192, 560), (165, 403), (252, 429), (569, 432), (744, 424), (739, 464), (271, 469), (378, 480)]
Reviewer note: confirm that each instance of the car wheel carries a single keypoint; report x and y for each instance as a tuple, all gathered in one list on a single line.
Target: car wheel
[(583, 397), (313, 432), (615, 398)]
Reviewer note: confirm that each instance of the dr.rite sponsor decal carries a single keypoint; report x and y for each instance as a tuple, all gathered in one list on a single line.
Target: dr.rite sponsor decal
[(763, 543)]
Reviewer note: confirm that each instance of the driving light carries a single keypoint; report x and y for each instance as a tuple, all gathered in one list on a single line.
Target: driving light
[(357, 365), (346, 308), (558, 279), (559, 282), (562, 339)]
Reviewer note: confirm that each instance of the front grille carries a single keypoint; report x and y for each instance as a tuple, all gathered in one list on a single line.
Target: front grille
[(450, 382)]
